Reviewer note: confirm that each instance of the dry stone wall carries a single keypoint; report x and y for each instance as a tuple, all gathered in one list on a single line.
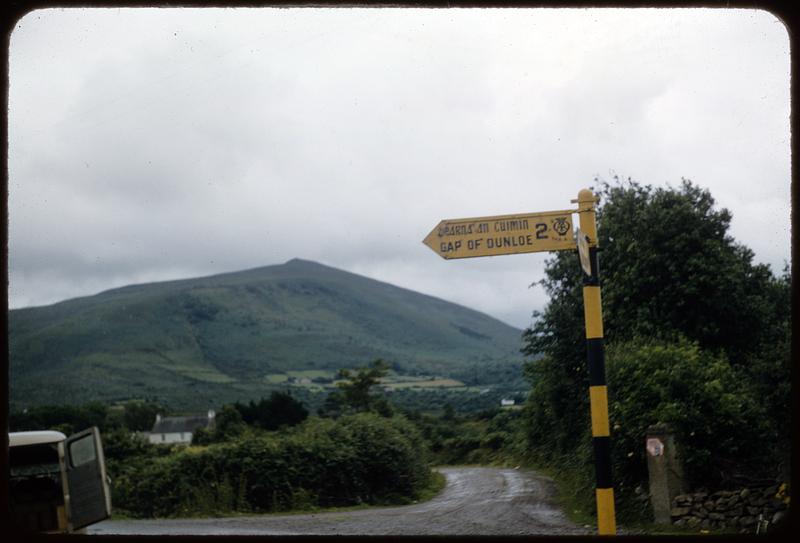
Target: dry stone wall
[(739, 510)]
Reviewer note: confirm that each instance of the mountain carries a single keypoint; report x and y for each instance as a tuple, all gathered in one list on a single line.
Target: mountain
[(228, 336)]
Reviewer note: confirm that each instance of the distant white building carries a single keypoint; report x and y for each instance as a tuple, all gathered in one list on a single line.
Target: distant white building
[(506, 403), (178, 429)]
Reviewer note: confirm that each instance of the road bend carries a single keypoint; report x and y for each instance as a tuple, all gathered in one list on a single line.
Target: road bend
[(475, 501)]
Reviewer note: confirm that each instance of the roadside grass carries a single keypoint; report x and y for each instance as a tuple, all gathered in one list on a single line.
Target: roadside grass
[(434, 488), (570, 495), (121, 515)]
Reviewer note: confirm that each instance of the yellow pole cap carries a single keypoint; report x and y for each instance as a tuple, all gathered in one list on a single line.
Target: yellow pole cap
[(585, 196)]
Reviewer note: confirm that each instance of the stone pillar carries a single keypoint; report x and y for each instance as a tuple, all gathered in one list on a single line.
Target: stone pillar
[(666, 472)]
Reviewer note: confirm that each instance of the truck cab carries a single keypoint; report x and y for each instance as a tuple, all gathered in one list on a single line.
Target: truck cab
[(57, 483)]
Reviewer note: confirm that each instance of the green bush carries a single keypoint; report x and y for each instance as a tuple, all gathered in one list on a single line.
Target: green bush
[(279, 410), (361, 458), (717, 421), (719, 425), (712, 411)]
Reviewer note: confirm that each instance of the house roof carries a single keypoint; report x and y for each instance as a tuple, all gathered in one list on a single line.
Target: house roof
[(168, 425)]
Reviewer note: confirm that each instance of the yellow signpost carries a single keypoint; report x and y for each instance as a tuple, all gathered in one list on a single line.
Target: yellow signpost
[(502, 235), (551, 231), (595, 361)]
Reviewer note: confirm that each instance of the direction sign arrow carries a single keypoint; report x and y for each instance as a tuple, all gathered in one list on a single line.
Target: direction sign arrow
[(502, 235)]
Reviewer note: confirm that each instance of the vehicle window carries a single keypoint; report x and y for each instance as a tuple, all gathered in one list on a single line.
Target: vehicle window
[(31, 460), (82, 451), (38, 469)]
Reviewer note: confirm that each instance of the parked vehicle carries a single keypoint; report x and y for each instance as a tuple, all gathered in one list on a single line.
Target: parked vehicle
[(57, 483)]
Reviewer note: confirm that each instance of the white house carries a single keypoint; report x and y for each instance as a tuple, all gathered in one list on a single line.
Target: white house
[(178, 429), (506, 403)]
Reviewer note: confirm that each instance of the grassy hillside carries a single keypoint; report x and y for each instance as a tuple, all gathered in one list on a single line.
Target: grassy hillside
[(201, 340)]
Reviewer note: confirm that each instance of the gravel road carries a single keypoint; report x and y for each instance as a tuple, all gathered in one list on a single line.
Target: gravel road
[(476, 501)]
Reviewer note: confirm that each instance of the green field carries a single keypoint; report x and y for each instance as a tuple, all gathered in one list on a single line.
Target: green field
[(276, 378), (432, 383), (312, 374), (392, 381)]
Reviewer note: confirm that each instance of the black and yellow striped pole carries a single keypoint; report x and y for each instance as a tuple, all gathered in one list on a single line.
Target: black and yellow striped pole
[(598, 392)]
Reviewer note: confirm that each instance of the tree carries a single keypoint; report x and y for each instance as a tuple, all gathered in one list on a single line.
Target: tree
[(228, 424), (140, 416), (355, 391), (669, 270), (668, 265), (281, 409)]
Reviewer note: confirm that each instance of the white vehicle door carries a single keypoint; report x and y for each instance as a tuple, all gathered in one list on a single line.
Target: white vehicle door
[(89, 499)]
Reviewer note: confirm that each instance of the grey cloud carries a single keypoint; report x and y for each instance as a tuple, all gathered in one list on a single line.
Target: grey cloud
[(210, 141)]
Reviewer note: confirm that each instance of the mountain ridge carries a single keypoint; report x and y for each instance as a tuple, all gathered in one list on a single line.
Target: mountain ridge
[(291, 261), (237, 330)]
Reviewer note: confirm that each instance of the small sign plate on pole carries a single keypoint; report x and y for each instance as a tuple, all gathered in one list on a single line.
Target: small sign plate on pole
[(583, 251), (502, 235), (654, 447)]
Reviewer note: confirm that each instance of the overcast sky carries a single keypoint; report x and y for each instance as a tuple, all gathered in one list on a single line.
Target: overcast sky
[(154, 144)]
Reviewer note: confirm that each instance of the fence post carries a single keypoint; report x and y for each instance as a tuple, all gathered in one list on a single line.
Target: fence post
[(665, 471)]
